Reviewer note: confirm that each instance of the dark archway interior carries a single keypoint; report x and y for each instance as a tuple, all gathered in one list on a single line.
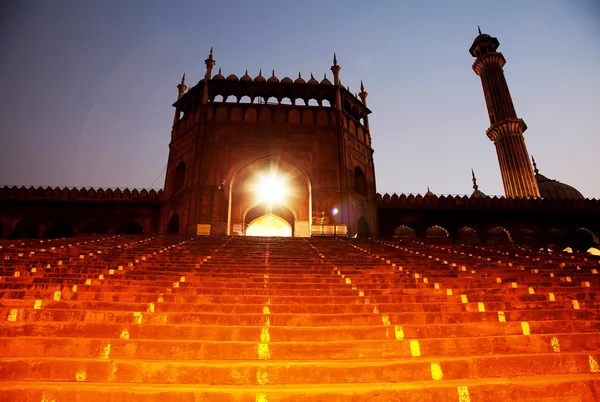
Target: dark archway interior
[(130, 228), (363, 228), (96, 227), (26, 228), (498, 237), (59, 228), (173, 225), (583, 241)]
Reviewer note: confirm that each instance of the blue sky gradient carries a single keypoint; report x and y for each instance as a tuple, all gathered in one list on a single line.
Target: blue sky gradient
[(86, 87)]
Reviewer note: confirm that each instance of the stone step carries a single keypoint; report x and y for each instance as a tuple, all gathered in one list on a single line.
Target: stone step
[(283, 319), (48, 347), (285, 334), (557, 388), (281, 373), (452, 305)]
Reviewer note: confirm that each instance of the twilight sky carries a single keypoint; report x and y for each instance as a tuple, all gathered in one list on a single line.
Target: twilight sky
[(86, 87)]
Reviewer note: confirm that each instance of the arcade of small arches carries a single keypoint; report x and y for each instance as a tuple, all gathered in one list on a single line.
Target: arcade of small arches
[(582, 239), (32, 228)]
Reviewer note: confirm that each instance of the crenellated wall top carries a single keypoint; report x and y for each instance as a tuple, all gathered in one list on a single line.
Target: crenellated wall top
[(80, 194), (457, 201)]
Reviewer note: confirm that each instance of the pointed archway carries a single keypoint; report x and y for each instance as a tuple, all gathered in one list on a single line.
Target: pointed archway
[(266, 219)]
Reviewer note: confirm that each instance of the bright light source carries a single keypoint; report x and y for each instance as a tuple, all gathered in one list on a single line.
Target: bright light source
[(271, 189), (335, 211)]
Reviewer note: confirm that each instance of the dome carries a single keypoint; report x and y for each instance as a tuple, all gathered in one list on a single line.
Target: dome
[(259, 77), (246, 77), (287, 80), (273, 79), (556, 190), (312, 80), (219, 76), (299, 80), (481, 38), (232, 77), (325, 81), (478, 194), (553, 189)]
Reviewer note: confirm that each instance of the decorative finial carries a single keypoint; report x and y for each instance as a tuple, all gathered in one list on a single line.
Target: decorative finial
[(348, 88), (211, 51), (535, 169), (475, 186), (299, 75), (428, 190), (260, 72), (311, 76), (219, 70), (273, 72), (334, 60), (362, 87), (246, 72), (479, 29), (324, 76), (183, 79)]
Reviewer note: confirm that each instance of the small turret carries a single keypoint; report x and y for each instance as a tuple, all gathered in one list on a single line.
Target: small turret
[(181, 87), (210, 63), (476, 192)]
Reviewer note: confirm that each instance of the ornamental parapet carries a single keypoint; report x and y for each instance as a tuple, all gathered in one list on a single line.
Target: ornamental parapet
[(79, 194), (418, 201)]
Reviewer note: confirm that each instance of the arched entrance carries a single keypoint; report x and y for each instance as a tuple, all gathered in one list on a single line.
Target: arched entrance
[(266, 219), (269, 197)]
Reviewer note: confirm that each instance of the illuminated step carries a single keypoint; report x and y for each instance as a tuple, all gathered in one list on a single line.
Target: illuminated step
[(558, 388), (250, 373), (91, 348)]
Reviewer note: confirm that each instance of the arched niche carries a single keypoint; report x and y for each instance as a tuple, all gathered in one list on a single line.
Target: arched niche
[(360, 181), (467, 235), (405, 232), (499, 236)]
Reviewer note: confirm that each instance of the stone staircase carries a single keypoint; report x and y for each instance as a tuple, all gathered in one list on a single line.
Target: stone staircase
[(162, 318)]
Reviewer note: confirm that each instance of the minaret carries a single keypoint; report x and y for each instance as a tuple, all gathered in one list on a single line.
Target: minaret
[(506, 129)]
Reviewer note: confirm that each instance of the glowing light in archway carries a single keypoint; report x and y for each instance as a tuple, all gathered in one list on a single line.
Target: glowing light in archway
[(269, 225), (271, 189)]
